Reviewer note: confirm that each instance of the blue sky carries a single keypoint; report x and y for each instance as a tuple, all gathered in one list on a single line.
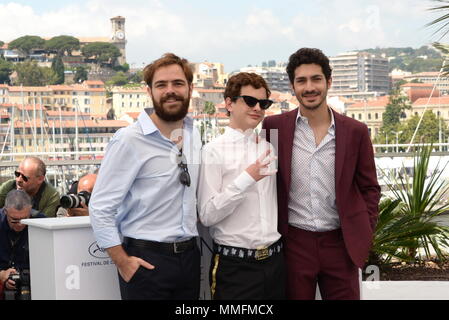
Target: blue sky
[(236, 33)]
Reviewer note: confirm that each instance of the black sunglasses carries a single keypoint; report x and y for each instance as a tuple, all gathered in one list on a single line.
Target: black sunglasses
[(11, 220), (24, 177), (184, 178), (251, 102)]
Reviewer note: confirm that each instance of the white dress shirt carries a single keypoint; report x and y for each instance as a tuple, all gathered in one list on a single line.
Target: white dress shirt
[(239, 211), (312, 203)]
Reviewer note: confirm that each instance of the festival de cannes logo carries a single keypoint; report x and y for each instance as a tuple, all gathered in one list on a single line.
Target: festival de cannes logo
[(97, 252)]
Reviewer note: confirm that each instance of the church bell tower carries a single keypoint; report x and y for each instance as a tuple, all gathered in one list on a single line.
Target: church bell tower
[(118, 37)]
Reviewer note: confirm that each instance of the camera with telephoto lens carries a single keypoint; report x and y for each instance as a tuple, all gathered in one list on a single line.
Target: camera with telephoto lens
[(75, 200), (23, 289)]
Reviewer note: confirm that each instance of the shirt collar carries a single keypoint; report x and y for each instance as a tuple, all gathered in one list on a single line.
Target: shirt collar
[(331, 129), (148, 126), (236, 134), (146, 123)]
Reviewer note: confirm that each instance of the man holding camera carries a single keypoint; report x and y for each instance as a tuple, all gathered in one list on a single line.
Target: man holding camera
[(75, 205), (85, 186), (14, 254)]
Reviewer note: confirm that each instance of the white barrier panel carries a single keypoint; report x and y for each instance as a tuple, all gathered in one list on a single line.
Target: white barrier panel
[(66, 262), (405, 290)]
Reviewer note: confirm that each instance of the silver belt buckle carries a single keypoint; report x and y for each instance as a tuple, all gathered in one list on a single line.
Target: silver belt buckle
[(175, 247)]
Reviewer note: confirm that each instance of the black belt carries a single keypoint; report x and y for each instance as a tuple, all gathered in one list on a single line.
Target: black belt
[(167, 247), (251, 254)]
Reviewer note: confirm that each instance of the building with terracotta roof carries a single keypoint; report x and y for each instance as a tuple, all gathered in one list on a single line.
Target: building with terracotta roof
[(64, 136), (212, 95), (209, 75), (87, 97), (370, 112), (415, 91), (282, 102), (67, 115), (130, 117), (130, 99), (432, 78), (438, 105), (397, 75)]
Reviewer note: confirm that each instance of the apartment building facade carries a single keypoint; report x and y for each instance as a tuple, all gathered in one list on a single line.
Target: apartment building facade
[(276, 77), (130, 99), (434, 78), (88, 97), (209, 75), (359, 75), (371, 112), (55, 136)]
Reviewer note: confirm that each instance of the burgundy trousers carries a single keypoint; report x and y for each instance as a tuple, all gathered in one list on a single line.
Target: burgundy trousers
[(319, 258)]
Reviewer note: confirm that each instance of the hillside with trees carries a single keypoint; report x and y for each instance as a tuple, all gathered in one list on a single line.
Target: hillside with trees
[(62, 45), (59, 50), (425, 58), (27, 44)]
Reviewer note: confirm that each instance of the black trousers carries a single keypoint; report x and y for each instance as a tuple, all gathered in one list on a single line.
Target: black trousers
[(176, 276), (234, 278)]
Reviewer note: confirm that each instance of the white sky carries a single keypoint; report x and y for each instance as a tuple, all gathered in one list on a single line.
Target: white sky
[(236, 33)]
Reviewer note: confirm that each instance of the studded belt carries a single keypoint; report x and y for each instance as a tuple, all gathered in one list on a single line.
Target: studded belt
[(251, 254)]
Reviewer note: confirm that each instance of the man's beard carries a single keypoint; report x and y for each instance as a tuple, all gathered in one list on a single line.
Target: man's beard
[(169, 116), (313, 106)]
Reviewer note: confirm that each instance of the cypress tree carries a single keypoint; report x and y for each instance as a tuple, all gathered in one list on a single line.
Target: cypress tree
[(58, 67)]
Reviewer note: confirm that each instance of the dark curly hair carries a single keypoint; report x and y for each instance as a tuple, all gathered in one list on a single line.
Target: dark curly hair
[(308, 56)]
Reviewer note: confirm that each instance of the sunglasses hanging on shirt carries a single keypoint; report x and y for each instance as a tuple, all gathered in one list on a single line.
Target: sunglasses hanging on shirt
[(184, 177)]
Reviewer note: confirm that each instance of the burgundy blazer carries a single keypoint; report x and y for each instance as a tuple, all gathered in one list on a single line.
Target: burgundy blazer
[(356, 187)]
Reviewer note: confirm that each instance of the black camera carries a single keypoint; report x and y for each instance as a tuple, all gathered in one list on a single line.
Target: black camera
[(23, 289), (75, 200)]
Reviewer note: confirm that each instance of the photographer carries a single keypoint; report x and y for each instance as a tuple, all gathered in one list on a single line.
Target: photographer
[(84, 188), (30, 177), (14, 253)]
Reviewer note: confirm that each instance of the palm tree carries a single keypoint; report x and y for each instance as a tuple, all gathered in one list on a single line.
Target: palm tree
[(444, 50), (442, 21), (396, 232), (443, 27), (420, 197)]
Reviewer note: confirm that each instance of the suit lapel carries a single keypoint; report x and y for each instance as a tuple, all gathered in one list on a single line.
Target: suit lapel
[(289, 125), (340, 147)]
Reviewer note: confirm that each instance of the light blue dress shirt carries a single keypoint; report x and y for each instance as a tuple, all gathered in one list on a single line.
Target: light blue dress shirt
[(138, 193)]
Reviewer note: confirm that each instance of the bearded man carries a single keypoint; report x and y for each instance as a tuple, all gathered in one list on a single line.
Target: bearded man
[(143, 206)]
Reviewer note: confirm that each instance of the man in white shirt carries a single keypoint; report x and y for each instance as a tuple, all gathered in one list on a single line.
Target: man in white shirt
[(237, 199)]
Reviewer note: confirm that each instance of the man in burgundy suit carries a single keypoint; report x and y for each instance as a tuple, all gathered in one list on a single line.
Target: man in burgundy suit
[(328, 193)]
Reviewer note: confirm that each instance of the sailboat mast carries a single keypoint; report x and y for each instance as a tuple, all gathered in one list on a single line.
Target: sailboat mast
[(12, 131)]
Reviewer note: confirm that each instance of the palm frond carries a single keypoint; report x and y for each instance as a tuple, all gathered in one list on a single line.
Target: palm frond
[(406, 222)]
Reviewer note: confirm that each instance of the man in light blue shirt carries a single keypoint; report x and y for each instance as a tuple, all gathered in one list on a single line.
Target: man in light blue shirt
[(143, 206)]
